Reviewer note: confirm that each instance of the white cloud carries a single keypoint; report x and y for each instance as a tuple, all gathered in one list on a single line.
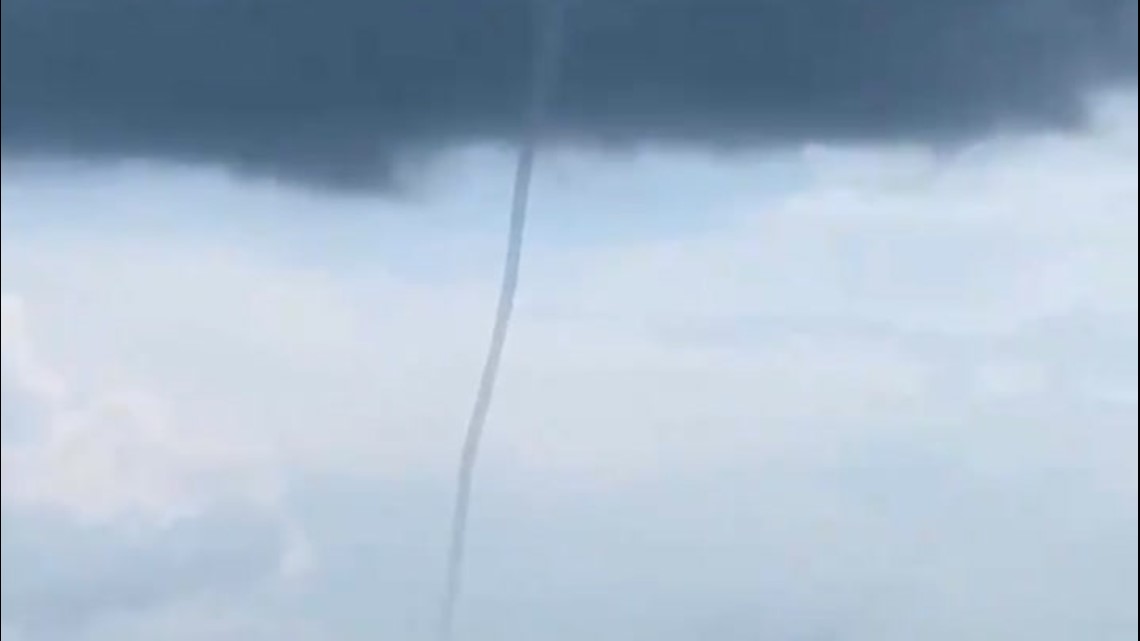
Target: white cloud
[(897, 391), (110, 505), (109, 453)]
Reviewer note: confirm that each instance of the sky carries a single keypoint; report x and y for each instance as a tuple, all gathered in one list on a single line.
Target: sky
[(826, 330)]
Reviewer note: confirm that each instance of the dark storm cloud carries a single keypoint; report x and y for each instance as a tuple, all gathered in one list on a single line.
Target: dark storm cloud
[(331, 90)]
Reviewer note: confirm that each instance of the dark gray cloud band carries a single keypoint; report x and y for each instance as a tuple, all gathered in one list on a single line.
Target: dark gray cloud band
[(330, 91)]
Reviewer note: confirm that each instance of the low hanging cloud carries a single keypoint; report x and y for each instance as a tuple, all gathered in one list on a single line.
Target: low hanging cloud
[(334, 92), (102, 452), (109, 510), (60, 578)]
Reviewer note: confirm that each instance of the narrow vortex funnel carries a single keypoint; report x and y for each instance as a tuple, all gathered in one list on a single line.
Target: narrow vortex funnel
[(548, 16)]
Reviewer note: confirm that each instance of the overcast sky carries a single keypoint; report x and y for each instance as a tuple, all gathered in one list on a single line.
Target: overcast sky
[(827, 327)]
